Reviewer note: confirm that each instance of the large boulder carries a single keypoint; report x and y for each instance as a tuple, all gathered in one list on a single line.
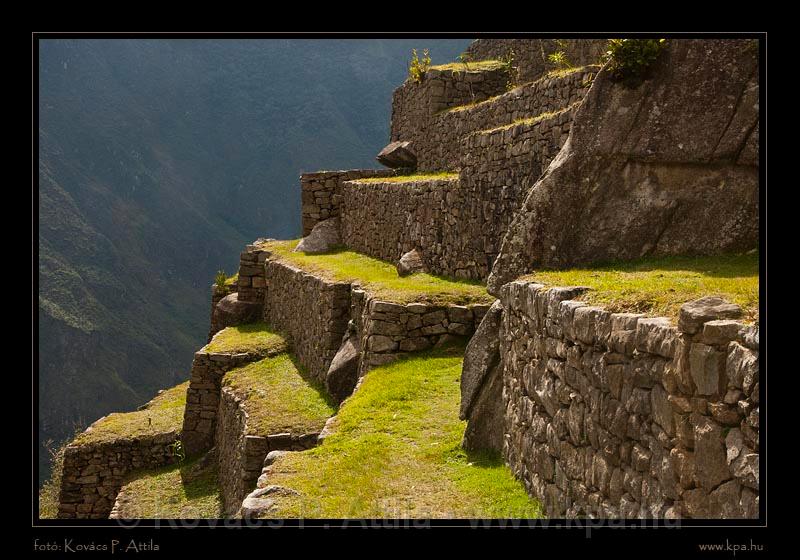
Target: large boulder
[(410, 263), (230, 311), (481, 355), (668, 167), (398, 155), (482, 385), (324, 237), (342, 374)]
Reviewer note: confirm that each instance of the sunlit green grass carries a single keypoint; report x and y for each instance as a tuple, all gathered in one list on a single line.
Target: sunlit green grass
[(380, 277), (441, 176), (279, 397), (529, 121), (251, 337), (163, 414), (172, 492), (473, 66), (396, 452), (659, 286)]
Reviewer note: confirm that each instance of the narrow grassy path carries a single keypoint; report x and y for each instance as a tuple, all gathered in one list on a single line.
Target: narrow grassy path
[(396, 452)]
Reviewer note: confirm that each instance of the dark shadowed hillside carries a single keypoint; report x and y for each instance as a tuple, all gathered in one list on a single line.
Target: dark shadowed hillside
[(158, 161)]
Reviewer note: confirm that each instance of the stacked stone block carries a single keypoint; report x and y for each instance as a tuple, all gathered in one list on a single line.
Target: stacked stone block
[(321, 193), (616, 415), (217, 293), (251, 283)]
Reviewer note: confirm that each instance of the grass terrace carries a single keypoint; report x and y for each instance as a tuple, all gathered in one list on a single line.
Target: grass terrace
[(163, 414), (252, 337), (659, 286), (380, 278), (181, 491), (562, 72), (473, 66), (396, 452), (442, 176), (278, 397), (529, 121)]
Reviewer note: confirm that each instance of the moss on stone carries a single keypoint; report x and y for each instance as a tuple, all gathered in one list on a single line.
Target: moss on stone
[(660, 286), (252, 337), (172, 492), (279, 397), (162, 414), (395, 451), (380, 278)]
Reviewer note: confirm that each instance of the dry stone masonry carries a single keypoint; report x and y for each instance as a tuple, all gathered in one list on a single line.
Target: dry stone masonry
[(620, 415)]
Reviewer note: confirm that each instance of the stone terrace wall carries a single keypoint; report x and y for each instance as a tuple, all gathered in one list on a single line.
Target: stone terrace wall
[(437, 139), (390, 330), (251, 284), (241, 456), (530, 55), (618, 415), (415, 104), (202, 398), (311, 311), (320, 193), (93, 473), (458, 225), (217, 294)]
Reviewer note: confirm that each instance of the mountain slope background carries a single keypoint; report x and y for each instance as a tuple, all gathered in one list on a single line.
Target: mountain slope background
[(158, 161)]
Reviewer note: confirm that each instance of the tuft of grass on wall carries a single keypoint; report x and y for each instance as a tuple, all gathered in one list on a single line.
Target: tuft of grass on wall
[(472, 66), (660, 286), (279, 397), (380, 278), (396, 452), (163, 414), (173, 492), (251, 337)]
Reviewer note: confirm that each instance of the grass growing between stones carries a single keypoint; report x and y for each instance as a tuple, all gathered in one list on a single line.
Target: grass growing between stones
[(659, 286), (163, 414), (395, 451), (252, 337), (279, 397), (173, 492), (442, 176), (531, 120), (380, 278)]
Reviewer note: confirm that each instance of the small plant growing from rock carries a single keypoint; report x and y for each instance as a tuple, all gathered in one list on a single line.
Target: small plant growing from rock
[(220, 279), (419, 66), (511, 68), (629, 60), (176, 450)]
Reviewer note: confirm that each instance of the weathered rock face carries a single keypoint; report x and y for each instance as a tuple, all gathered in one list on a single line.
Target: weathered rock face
[(670, 167), (481, 355), (486, 416), (410, 263), (231, 311), (324, 237), (397, 155), (343, 373)]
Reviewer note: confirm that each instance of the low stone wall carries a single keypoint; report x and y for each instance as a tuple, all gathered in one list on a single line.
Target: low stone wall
[(93, 473), (437, 140), (311, 311), (202, 398), (241, 456), (458, 225), (391, 330), (620, 415), (414, 104), (320, 193), (217, 294)]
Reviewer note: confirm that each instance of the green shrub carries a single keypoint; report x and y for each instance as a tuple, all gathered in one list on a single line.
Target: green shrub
[(559, 60), (629, 60), (419, 66), (220, 279)]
